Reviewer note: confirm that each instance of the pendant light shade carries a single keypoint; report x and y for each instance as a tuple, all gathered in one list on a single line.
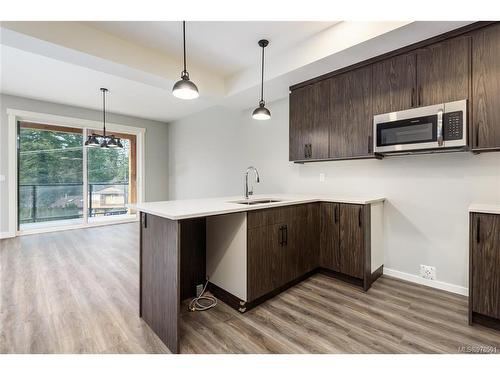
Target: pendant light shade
[(104, 141), (185, 88), (261, 112)]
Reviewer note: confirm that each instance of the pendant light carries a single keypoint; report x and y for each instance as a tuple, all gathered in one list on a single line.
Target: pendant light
[(261, 112), (104, 141), (184, 88)]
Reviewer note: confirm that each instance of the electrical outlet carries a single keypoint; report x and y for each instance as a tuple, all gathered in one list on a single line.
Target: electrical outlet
[(321, 177), (2, 178), (428, 272)]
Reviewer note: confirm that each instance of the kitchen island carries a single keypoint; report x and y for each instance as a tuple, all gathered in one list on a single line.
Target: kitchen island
[(251, 249)]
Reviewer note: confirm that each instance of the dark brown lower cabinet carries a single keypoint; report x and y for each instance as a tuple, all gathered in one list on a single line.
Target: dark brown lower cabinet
[(285, 244), (352, 244), (281, 247), (484, 269), (330, 236), (264, 260), (345, 240)]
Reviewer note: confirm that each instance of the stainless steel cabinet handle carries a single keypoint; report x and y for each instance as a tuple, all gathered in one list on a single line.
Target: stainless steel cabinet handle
[(440, 127), (359, 217), (335, 214), (285, 228), (145, 215)]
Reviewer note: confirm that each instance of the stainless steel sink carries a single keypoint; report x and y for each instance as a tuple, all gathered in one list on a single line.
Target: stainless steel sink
[(250, 202)]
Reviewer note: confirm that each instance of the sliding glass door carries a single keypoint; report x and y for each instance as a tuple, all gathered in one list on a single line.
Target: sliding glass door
[(111, 180), (61, 182), (50, 176)]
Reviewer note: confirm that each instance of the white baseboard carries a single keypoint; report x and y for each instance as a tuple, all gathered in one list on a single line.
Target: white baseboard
[(6, 235), (431, 283)]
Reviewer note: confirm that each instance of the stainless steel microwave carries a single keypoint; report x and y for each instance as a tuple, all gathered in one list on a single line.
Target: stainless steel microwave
[(435, 127)]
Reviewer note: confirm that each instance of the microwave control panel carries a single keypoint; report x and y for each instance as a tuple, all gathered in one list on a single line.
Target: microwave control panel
[(453, 126)]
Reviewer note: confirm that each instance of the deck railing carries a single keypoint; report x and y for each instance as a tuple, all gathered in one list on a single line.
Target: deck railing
[(48, 202)]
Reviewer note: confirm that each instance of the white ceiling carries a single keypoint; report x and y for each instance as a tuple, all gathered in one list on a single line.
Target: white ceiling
[(67, 62), (222, 47)]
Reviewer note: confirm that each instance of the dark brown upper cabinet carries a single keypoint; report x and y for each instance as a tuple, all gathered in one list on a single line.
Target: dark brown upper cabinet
[(438, 73), (340, 105), (309, 122), (443, 71), (351, 114), (395, 84), (484, 278), (485, 123)]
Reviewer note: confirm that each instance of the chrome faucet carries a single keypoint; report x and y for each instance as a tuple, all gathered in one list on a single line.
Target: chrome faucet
[(257, 179)]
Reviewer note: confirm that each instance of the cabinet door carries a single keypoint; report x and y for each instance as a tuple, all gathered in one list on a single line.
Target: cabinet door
[(301, 101), (485, 247), (352, 242), (309, 122), (320, 120), (329, 236), (352, 114), (264, 260), (302, 248), (443, 71), (486, 88), (394, 84)]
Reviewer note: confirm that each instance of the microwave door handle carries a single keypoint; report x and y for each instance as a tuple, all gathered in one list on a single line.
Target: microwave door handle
[(440, 127)]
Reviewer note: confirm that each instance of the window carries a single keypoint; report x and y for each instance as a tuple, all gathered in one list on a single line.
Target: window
[(61, 182)]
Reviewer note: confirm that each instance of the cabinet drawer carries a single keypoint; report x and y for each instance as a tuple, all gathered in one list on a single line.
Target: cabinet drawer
[(278, 215)]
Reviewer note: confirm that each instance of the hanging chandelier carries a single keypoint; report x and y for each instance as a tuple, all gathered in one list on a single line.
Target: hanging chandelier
[(104, 140)]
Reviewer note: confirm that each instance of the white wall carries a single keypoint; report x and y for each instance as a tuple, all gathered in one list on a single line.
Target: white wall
[(426, 219), (155, 145)]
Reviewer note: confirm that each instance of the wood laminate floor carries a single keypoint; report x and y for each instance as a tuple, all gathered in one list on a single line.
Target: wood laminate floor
[(77, 292)]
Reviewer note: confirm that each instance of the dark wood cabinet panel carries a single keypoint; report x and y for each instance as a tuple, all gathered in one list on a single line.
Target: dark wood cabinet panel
[(352, 240), (159, 277), (485, 264), (303, 244), (329, 236), (443, 71), (309, 122), (486, 88), (300, 120), (394, 84), (283, 248), (352, 114), (264, 260), (321, 121)]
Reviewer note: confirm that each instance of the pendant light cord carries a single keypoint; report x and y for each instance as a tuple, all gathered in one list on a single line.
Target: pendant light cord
[(104, 112), (184, 43), (262, 78)]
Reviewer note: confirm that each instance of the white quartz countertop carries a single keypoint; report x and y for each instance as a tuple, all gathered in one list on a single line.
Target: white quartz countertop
[(191, 208), (485, 208)]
